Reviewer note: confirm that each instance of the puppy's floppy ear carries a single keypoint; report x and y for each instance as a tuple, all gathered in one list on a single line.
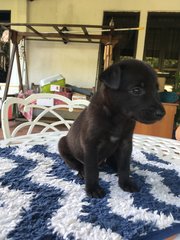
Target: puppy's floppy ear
[(112, 76)]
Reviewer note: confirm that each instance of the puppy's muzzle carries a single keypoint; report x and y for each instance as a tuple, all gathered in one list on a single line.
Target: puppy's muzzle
[(159, 113), (152, 114)]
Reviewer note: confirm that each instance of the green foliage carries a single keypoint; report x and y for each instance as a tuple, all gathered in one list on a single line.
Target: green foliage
[(176, 87)]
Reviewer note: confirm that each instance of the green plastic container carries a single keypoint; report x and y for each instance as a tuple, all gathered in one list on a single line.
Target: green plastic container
[(45, 84)]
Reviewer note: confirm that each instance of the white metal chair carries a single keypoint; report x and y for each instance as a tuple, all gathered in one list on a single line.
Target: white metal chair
[(49, 129)]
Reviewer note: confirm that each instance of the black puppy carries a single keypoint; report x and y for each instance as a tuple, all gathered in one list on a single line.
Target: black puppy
[(103, 131)]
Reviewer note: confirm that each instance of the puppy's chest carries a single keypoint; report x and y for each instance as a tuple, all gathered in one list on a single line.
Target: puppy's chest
[(114, 138), (119, 129), (110, 139), (107, 145), (113, 135)]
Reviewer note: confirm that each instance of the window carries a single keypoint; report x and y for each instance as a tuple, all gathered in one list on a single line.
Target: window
[(126, 47), (162, 43), (5, 16)]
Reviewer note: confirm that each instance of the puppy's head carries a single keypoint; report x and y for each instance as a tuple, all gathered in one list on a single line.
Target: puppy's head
[(132, 88)]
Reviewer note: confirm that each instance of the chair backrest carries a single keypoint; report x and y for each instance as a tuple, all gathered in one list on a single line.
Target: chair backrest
[(32, 103)]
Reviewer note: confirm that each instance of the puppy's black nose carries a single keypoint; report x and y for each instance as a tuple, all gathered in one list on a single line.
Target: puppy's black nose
[(159, 113)]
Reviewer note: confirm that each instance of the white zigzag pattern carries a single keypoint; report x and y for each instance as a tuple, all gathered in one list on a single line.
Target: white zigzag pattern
[(65, 221), (121, 203), (11, 202), (156, 181), (138, 156)]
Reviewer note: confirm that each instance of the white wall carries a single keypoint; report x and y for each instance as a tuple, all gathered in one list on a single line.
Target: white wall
[(77, 62)]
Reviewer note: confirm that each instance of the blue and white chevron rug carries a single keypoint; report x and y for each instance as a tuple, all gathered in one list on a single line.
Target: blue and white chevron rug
[(42, 199)]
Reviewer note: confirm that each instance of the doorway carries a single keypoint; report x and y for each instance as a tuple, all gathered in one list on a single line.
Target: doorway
[(5, 17)]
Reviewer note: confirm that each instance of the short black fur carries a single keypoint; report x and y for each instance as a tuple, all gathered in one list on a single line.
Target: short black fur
[(103, 131)]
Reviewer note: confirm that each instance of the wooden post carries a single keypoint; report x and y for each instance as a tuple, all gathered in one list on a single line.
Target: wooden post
[(9, 73), (108, 49), (15, 41), (108, 55), (19, 68)]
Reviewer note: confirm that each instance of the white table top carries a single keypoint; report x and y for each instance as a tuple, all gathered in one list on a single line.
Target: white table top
[(166, 149)]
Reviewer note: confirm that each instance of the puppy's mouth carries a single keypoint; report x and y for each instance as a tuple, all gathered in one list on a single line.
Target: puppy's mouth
[(149, 116), (145, 121)]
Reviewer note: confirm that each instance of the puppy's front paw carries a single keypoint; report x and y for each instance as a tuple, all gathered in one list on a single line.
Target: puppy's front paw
[(95, 192), (129, 186)]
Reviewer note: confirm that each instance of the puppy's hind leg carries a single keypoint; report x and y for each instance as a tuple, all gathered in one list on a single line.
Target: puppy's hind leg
[(69, 159)]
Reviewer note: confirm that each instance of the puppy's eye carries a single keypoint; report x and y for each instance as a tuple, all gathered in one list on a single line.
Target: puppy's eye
[(137, 91)]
